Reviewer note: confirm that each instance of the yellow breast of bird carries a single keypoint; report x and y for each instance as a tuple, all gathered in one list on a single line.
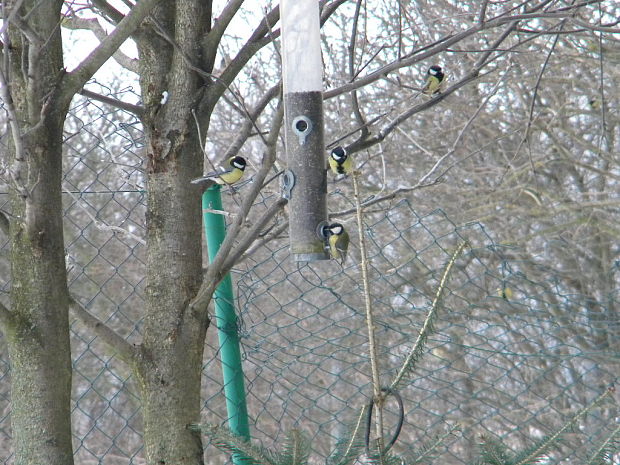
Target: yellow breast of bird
[(230, 177), (341, 168), (332, 247), (432, 85)]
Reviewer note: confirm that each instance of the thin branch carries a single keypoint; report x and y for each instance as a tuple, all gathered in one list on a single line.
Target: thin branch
[(535, 95), (4, 223), (473, 74), (126, 351), (208, 76), (250, 122), (6, 317), (76, 79), (102, 225), (370, 324), (601, 28), (462, 131), (137, 110), (249, 238), (93, 25), (272, 235), (108, 10), (12, 15), (212, 39), (262, 35), (483, 11), (351, 50)]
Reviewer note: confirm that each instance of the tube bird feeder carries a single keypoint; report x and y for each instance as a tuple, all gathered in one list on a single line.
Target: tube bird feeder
[(305, 180)]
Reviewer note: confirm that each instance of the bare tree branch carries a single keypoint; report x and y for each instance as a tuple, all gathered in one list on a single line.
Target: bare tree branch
[(4, 223), (262, 35), (535, 94), (250, 122), (483, 11), (108, 10), (6, 317), (249, 238), (137, 110), (212, 40), (125, 350), (351, 51), (93, 25), (76, 79)]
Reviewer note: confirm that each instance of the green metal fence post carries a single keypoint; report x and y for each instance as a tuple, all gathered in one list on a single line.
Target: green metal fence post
[(226, 321)]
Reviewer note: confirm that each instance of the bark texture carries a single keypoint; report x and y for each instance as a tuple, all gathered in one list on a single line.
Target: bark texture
[(171, 362), (38, 328)]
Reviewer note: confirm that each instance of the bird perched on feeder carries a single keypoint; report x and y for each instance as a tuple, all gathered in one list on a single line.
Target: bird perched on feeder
[(338, 242), (225, 175), (340, 161), (433, 81)]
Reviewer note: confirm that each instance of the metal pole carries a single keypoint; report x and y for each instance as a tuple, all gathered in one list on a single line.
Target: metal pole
[(302, 77), (226, 322)]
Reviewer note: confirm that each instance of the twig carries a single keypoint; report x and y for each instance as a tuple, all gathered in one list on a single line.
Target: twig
[(601, 83), (218, 212), (372, 346), (102, 225), (535, 94), (351, 62), (253, 233)]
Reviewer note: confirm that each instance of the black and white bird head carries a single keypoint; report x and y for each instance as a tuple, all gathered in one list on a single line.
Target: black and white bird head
[(339, 154), (335, 229), (435, 70), (238, 162)]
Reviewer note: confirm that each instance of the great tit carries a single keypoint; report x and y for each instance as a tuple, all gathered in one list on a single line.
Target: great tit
[(433, 81), (340, 161), (338, 242), (504, 292), (225, 175)]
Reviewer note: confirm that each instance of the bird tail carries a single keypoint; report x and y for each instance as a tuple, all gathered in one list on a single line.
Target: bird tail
[(205, 181)]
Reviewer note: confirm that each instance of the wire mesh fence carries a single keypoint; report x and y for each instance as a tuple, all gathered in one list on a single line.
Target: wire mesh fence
[(516, 350)]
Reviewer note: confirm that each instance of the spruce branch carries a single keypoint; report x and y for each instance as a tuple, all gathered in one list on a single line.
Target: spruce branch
[(427, 328), (533, 454), (425, 452), (296, 449), (350, 445), (603, 453), (242, 448)]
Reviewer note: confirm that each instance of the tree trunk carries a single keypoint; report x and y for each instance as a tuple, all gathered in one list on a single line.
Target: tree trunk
[(37, 327), (173, 338)]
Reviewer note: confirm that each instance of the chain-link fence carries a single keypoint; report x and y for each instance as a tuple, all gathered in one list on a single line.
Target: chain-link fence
[(515, 352)]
